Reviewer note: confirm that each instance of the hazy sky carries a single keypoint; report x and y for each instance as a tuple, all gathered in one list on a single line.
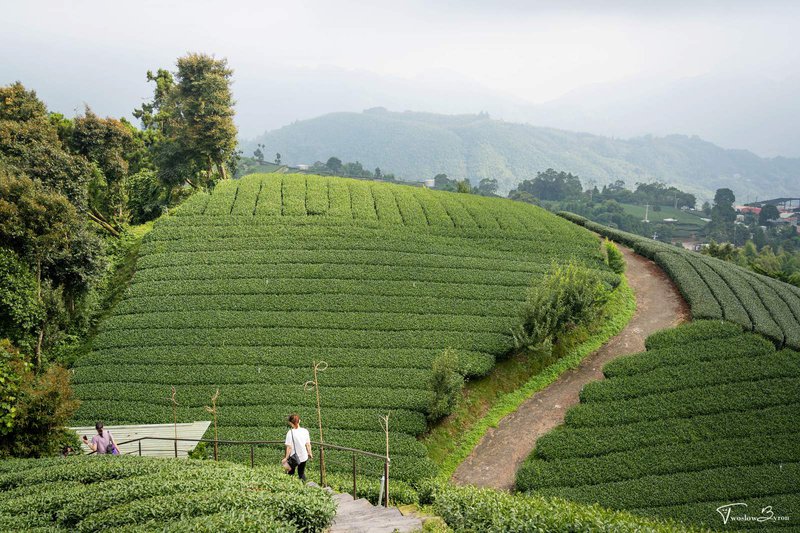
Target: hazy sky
[(98, 51)]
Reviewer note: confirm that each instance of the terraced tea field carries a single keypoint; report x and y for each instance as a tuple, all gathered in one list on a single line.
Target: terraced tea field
[(715, 289), (709, 415), (243, 288), (146, 494)]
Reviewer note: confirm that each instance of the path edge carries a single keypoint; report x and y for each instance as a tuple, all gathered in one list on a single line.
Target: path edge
[(622, 308)]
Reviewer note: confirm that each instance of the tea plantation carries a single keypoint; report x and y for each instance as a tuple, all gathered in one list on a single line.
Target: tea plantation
[(242, 289), (709, 415), (715, 289), (146, 494)]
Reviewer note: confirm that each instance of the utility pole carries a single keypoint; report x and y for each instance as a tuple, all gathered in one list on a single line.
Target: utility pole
[(646, 212)]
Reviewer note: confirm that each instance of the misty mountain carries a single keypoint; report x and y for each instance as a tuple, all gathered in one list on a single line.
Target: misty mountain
[(420, 145), (751, 113)]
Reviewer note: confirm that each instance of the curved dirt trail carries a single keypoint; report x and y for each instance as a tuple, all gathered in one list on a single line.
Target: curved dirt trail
[(497, 457)]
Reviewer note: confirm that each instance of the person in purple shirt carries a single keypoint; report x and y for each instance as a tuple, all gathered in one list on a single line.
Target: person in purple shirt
[(103, 442)]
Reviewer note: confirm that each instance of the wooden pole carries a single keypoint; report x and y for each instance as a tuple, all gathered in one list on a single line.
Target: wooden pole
[(318, 367)]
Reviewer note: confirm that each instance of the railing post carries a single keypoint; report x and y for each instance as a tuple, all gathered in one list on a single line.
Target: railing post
[(252, 457), (140, 447), (354, 475), (386, 485)]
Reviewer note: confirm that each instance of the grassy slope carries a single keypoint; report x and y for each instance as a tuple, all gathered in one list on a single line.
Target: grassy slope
[(244, 288), (707, 416), (666, 212)]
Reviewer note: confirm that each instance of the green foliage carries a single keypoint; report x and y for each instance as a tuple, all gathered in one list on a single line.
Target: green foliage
[(472, 509), (614, 258), (30, 143), (20, 308), (146, 197), (617, 314), (44, 405), (190, 120), (446, 384), (93, 493), (11, 364), (551, 185), (64, 256), (566, 296), (243, 288), (707, 414)]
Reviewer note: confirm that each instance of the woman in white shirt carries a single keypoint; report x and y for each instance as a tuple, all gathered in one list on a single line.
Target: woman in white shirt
[(298, 447)]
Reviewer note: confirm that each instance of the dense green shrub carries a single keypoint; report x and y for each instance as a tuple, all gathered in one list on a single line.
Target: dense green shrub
[(446, 383), (43, 405), (614, 258), (566, 297), (693, 332)]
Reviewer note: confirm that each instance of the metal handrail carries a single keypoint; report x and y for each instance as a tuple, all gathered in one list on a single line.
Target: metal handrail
[(257, 442), (253, 443)]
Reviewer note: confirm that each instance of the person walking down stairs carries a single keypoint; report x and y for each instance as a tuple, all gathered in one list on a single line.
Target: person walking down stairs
[(298, 448)]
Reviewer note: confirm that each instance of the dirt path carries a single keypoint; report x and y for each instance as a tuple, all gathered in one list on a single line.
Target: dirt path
[(497, 457)]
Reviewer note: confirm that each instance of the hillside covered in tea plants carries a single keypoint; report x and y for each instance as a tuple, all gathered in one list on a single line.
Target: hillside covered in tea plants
[(244, 288), (708, 416)]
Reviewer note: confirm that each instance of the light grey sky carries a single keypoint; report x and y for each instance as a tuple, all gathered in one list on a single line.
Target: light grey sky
[(526, 52)]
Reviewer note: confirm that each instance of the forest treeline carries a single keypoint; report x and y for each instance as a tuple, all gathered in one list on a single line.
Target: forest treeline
[(70, 190)]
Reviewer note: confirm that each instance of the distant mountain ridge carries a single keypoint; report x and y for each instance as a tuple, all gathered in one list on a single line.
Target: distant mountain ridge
[(420, 145)]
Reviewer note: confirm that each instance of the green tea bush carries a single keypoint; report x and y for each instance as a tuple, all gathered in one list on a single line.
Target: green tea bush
[(471, 509), (145, 494)]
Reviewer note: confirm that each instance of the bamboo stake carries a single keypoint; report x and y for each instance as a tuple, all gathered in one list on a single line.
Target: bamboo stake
[(318, 367)]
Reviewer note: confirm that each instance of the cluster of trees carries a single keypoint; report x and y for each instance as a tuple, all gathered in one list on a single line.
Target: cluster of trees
[(775, 262), (69, 190), (486, 187), (557, 186), (654, 194), (335, 167), (559, 190)]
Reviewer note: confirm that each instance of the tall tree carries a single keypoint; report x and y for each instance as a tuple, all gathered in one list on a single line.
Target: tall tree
[(767, 213), (30, 143), (723, 216), (190, 120), (334, 164)]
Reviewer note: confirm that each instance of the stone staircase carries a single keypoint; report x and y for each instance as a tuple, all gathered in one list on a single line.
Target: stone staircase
[(360, 516)]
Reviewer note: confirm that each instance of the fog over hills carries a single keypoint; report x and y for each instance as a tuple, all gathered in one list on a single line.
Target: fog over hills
[(419, 145)]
